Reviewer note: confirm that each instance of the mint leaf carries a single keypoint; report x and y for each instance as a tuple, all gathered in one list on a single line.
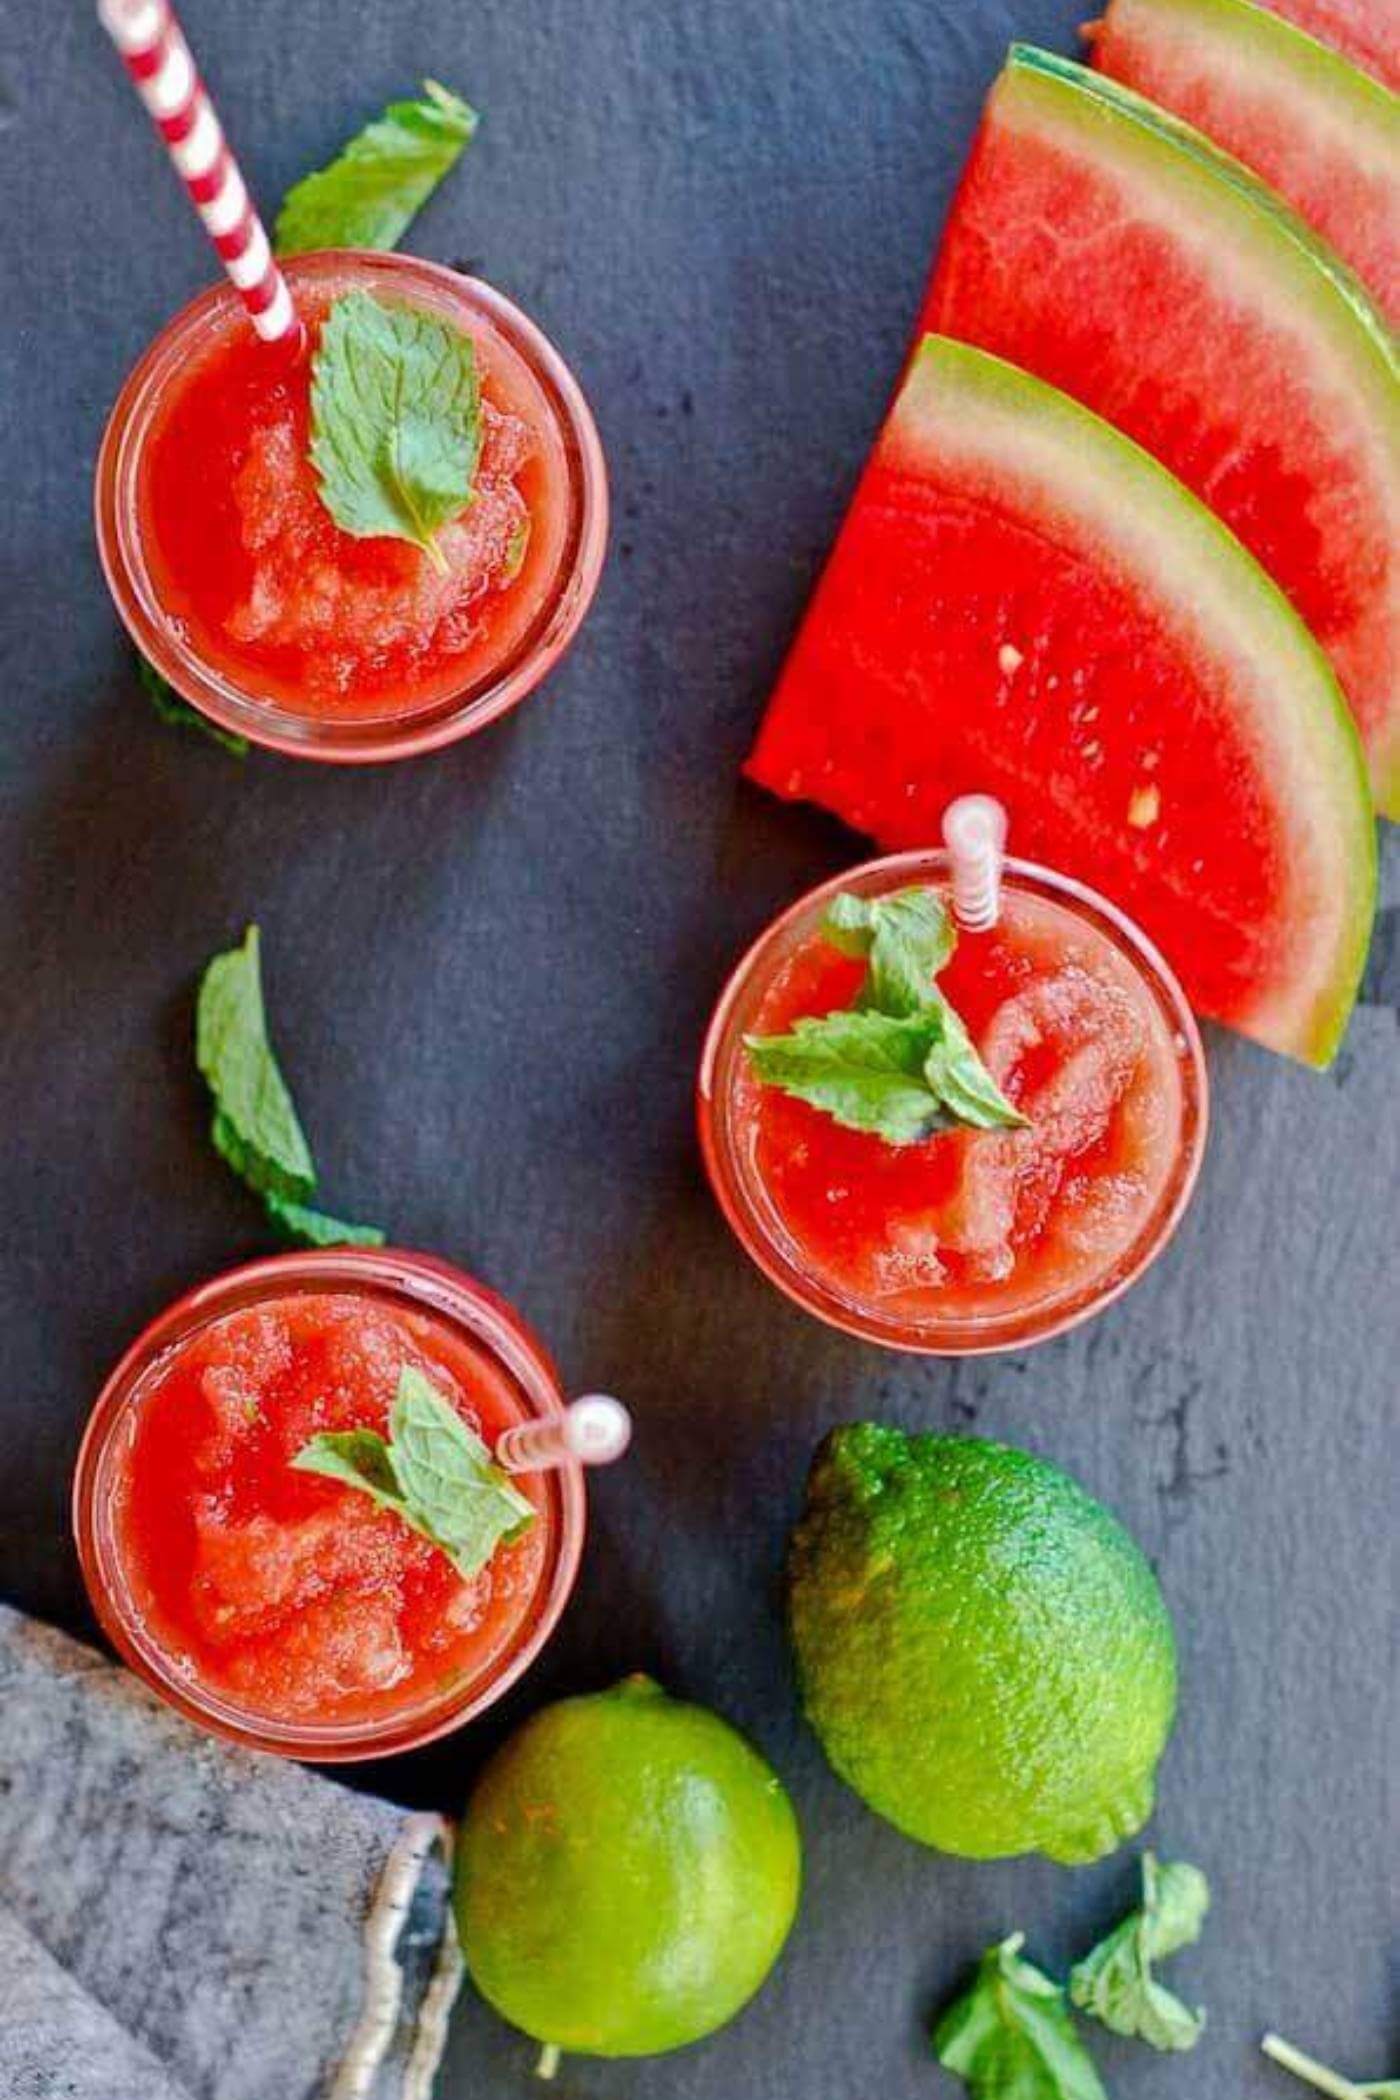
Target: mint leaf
[(314, 1228), (458, 1497), (899, 1064), (374, 188), (900, 1077), (395, 420), (962, 1082), (256, 1128), (1115, 1982), (908, 937), (865, 1070), (358, 1458), (1320, 2078), (178, 714), (1011, 2036), (434, 1473)]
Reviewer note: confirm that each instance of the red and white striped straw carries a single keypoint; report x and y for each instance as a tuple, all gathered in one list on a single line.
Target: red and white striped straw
[(155, 54)]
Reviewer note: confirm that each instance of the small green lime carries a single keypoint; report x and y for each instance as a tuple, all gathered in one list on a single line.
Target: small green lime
[(628, 1870), (982, 1649)]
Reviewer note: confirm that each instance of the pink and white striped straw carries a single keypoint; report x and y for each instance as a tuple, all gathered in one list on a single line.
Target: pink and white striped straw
[(155, 54)]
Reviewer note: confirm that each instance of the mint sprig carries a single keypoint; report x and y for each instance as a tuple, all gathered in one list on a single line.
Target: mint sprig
[(370, 193), (1011, 2037), (898, 1064), (178, 714), (395, 421), (1323, 2079), (434, 1473), (256, 1129), (1115, 1982)]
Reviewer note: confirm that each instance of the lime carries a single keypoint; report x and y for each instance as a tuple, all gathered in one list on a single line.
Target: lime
[(982, 1649), (628, 1870)]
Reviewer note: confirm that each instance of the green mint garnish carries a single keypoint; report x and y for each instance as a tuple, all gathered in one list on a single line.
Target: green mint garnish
[(1116, 1984), (316, 1228), (256, 1128), (908, 938), (434, 1472), (369, 194), (1010, 2037), (899, 1064), (1320, 2078), (866, 1070), (178, 714), (395, 421)]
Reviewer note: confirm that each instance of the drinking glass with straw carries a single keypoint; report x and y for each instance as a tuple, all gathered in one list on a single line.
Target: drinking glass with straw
[(157, 58)]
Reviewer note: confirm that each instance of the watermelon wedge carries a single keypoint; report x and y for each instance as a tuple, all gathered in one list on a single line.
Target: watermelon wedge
[(1023, 601), (1321, 133), (1112, 250), (1365, 31)]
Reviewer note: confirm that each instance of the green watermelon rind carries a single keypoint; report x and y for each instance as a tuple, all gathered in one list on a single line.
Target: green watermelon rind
[(1276, 55), (955, 395), (1073, 98), (1267, 41)]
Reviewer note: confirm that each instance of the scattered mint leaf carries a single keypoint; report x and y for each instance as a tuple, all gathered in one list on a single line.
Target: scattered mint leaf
[(463, 1501), (1011, 2037), (256, 1128), (178, 714), (434, 1472), (899, 1064), (908, 937), (314, 1228), (379, 182), (395, 420), (1115, 1982)]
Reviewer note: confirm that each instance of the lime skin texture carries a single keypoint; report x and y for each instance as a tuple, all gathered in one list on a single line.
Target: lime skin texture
[(627, 1872), (982, 1649)]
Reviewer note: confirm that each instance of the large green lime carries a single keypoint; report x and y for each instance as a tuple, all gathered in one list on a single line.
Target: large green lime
[(983, 1650), (628, 1870)]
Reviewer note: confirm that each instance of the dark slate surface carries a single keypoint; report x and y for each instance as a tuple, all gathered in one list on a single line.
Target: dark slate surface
[(490, 971)]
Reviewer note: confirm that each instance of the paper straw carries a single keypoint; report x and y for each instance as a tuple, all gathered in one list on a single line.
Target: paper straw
[(592, 1431), (974, 832), (155, 54)]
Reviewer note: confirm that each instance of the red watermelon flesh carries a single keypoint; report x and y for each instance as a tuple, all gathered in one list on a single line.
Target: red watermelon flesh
[(1323, 134), (1022, 602), (1365, 31), (1113, 251)]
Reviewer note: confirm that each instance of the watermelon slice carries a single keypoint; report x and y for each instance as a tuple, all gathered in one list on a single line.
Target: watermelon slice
[(1324, 135), (1023, 601), (1112, 250), (1365, 31)]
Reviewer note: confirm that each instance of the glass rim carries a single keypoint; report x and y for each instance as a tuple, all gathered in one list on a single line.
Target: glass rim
[(967, 1334), (398, 1275), (365, 739)]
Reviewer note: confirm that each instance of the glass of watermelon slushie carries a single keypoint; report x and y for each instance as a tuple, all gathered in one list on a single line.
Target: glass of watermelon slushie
[(970, 1240), (276, 1606), (243, 591)]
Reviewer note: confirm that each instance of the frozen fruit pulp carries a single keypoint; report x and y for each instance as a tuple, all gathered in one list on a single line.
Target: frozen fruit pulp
[(246, 560), (969, 1223), (295, 1598)]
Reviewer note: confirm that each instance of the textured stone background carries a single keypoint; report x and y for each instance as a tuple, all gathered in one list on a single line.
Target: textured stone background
[(490, 970)]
